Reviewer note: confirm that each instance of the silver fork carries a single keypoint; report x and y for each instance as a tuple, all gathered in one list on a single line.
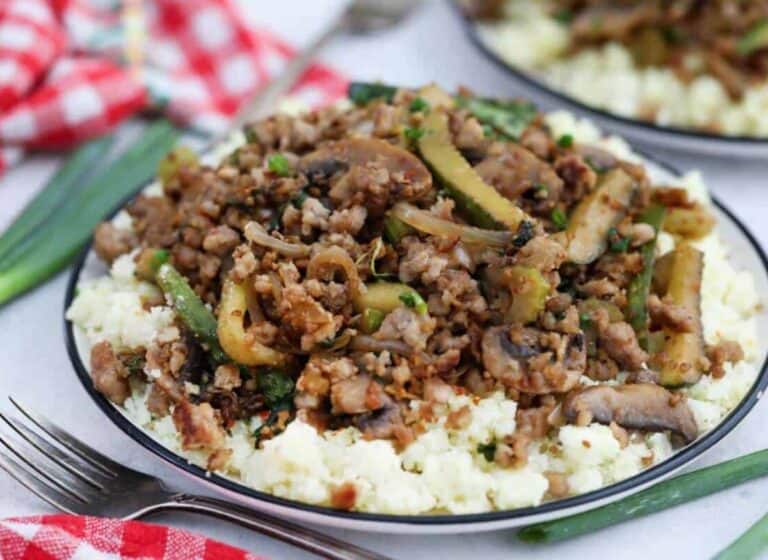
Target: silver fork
[(77, 479)]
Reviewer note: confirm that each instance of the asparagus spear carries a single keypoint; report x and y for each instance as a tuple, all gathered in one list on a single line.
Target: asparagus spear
[(669, 493)]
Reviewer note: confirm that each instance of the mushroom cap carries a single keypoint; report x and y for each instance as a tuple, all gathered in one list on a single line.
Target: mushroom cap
[(639, 406)]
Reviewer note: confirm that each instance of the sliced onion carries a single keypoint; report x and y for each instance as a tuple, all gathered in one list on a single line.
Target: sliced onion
[(331, 258), (255, 233), (365, 343), (431, 224)]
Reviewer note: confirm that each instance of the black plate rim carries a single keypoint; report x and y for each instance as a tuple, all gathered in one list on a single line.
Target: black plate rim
[(648, 476), (470, 28)]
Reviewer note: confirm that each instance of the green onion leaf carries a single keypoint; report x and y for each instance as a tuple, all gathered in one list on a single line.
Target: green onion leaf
[(56, 242), (413, 300), (278, 164), (372, 320), (565, 141), (559, 218), (61, 185), (413, 133), (418, 105)]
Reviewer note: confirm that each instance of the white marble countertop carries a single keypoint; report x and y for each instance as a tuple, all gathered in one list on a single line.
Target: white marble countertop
[(34, 366)]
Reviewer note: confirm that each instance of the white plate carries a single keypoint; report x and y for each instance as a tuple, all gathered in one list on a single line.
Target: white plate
[(745, 253), (639, 131)]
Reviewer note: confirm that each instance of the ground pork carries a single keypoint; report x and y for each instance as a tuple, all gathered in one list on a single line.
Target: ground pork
[(407, 325), (110, 376), (619, 341)]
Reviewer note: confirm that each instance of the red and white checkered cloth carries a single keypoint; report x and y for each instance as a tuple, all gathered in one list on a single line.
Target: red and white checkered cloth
[(69, 537), (72, 69)]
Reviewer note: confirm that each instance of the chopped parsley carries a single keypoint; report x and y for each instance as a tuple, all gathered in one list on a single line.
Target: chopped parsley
[(413, 133), (508, 118), (298, 199), (413, 300), (585, 321), (565, 141), (617, 243), (278, 164), (418, 105), (276, 387), (487, 450), (559, 218)]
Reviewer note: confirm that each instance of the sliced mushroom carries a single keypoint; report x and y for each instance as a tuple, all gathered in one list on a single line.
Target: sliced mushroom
[(381, 423), (642, 406), (408, 177), (534, 361)]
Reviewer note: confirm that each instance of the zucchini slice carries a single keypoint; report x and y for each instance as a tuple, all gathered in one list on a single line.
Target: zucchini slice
[(382, 296), (482, 204), (594, 216), (680, 363), (529, 291)]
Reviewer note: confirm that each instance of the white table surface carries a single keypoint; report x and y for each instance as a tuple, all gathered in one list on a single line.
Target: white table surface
[(430, 46)]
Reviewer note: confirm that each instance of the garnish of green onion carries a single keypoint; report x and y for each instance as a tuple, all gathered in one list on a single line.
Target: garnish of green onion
[(748, 545), (61, 185), (667, 494), (56, 241), (413, 133), (413, 300), (559, 219), (565, 141), (418, 105), (278, 164)]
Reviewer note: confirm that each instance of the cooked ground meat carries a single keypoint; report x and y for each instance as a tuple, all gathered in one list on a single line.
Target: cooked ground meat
[(300, 225)]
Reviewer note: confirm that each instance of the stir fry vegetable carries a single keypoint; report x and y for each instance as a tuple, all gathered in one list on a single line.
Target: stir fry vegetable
[(383, 296), (235, 340), (529, 292), (429, 223), (191, 310), (482, 203), (510, 118), (680, 363), (593, 218), (176, 159), (639, 287), (692, 223)]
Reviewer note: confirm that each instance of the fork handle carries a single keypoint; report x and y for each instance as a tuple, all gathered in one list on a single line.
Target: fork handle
[(301, 537)]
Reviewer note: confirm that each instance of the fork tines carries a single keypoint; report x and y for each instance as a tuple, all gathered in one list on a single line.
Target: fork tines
[(52, 464)]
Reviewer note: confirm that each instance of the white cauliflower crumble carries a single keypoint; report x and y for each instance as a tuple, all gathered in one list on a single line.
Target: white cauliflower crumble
[(444, 469)]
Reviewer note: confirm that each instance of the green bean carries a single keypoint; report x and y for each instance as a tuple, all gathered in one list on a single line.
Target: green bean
[(669, 493), (191, 310)]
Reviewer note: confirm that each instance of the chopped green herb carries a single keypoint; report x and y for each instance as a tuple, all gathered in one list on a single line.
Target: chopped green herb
[(327, 343), (361, 93), (413, 300), (299, 198), (413, 133), (563, 16), (250, 135), (275, 386), (541, 187), (134, 363), (618, 244), (487, 450), (505, 119), (418, 105), (585, 321), (559, 219), (279, 165), (488, 131), (565, 141), (372, 320)]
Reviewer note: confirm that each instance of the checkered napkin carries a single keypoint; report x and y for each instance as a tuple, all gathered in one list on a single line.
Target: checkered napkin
[(72, 69), (68, 537)]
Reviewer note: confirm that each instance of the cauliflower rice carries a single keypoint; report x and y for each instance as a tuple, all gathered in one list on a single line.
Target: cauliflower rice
[(444, 470)]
